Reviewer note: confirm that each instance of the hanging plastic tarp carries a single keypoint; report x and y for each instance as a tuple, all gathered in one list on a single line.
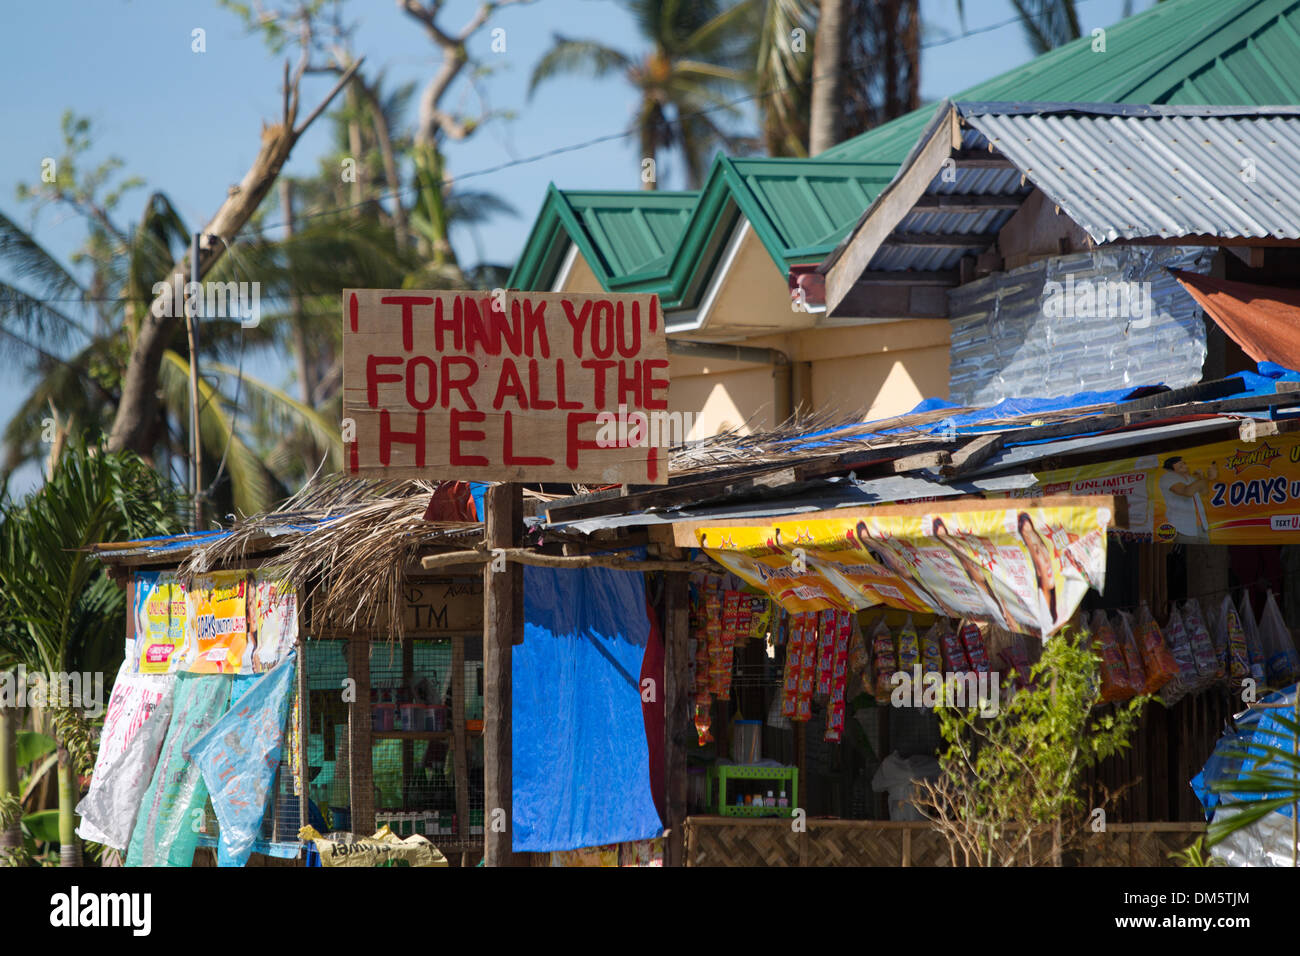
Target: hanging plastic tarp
[(580, 758), (238, 757), (135, 724), (1267, 841), (167, 827), (1264, 320)]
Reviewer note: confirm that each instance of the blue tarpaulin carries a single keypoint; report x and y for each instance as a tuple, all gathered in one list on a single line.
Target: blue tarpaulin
[(580, 757)]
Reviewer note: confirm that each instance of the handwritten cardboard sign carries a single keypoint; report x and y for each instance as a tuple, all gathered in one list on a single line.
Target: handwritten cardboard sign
[(509, 386)]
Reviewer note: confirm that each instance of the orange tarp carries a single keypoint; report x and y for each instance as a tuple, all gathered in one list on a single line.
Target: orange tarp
[(1264, 320)]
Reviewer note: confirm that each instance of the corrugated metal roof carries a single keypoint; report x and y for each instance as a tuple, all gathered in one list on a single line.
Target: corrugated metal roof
[(1179, 51), (1159, 173)]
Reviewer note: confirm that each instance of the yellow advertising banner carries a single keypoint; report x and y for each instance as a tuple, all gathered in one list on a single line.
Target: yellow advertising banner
[(216, 623), (1230, 492), (159, 610), (1022, 568)]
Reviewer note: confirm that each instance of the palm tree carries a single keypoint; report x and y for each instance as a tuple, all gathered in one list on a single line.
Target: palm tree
[(783, 59), (1048, 23), (63, 612), (694, 65)]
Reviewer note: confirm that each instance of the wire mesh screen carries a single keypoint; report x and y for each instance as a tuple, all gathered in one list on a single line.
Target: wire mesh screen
[(413, 739)]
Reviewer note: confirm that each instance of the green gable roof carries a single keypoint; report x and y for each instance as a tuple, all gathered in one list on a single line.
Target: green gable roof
[(1209, 52)]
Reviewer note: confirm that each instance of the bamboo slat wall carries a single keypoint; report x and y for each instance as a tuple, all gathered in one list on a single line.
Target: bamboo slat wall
[(720, 841)]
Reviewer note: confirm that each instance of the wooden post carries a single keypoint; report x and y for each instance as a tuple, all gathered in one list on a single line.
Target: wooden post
[(460, 756), (501, 626), (677, 710), (361, 787)]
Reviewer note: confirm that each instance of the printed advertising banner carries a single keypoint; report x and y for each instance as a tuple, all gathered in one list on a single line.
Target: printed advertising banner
[(159, 622), (216, 626), (1023, 568), (1230, 492)]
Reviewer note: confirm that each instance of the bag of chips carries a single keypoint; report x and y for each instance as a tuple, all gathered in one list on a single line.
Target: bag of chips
[(909, 648), (954, 654), (1209, 668), (884, 661), (1180, 646), (1232, 638), (1281, 663), (1116, 681), (1157, 661), (931, 655), (973, 642)]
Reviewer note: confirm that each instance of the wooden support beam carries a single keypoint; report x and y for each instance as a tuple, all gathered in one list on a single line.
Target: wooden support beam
[(971, 455), (677, 710), (942, 277), (504, 507), (927, 461), (525, 556), (304, 715), (938, 240), (966, 204), (361, 786)]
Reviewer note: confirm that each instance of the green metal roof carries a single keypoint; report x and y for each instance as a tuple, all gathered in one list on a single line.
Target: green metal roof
[(1211, 52)]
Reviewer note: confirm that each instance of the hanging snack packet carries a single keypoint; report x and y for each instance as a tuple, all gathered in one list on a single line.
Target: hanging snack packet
[(1254, 649), (760, 616), (793, 666), (1208, 666), (807, 669), (835, 711), (884, 661), (1116, 682), (1281, 663), (909, 648), (973, 642), (1233, 639), (1157, 661), (825, 653), (931, 656), (1180, 646), (954, 654), (859, 659), (1014, 658)]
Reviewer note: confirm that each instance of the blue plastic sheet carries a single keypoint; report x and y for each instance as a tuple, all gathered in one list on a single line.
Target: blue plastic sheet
[(238, 757), (580, 758)]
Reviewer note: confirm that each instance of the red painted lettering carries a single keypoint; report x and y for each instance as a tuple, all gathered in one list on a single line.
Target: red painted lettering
[(408, 304), (388, 438), (459, 435), (509, 385), (509, 450), (375, 378), (462, 385)]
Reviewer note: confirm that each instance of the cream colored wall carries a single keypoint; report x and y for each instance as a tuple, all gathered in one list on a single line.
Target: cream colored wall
[(867, 371)]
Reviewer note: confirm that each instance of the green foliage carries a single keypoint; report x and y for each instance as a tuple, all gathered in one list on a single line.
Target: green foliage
[(32, 746), (1195, 855), (1009, 791)]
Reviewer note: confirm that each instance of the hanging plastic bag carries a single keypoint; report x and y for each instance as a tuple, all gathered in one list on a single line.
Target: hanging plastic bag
[(165, 832), (1157, 661), (1281, 662), (1254, 649), (1209, 668), (1116, 683), (1132, 655), (1232, 638), (1180, 646)]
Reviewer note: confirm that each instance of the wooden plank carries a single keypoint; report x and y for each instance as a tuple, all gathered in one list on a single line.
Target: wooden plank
[(967, 204), (890, 207), (504, 502), (474, 386), (942, 277), (304, 729), (677, 709), (971, 455), (941, 240), (928, 461), (361, 789), (460, 756)]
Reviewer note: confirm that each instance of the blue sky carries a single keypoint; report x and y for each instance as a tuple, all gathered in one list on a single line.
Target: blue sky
[(188, 123)]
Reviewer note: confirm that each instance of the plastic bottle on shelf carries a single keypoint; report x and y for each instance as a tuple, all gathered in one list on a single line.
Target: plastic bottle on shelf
[(783, 801), (770, 801)]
